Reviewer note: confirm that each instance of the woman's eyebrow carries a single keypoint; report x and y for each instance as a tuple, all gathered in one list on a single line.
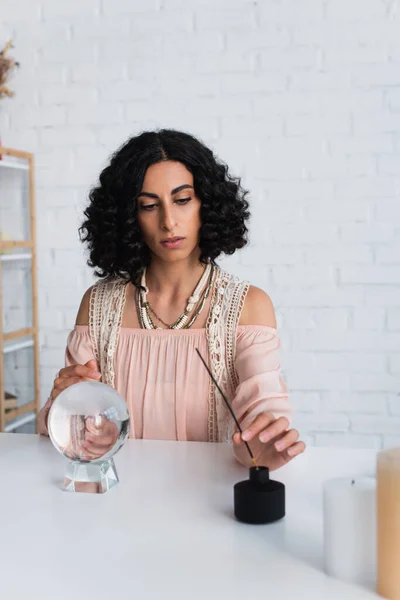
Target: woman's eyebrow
[(148, 195), (185, 186), (176, 190)]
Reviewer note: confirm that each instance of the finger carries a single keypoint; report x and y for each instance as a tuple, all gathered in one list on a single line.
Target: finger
[(68, 371), (96, 432), (237, 439), (275, 429), (96, 424), (111, 429), (92, 365), (100, 425), (62, 383), (90, 423), (287, 440), (103, 440), (96, 449), (259, 423), (108, 435), (80, 371), (99, 443), (296, 449)]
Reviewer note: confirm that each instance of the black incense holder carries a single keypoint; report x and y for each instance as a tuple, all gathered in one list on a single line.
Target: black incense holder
[(259, 499)]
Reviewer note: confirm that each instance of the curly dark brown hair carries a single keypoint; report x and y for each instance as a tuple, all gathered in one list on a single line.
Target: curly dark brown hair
[(111, 230)]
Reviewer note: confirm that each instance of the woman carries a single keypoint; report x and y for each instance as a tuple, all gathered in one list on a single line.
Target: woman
[(164, 210)]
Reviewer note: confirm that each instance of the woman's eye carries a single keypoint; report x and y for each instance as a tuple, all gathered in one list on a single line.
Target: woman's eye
[(183, 200), (148, 206)]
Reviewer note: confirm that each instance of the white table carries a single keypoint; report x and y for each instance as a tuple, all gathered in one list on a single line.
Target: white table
[(167, 530)]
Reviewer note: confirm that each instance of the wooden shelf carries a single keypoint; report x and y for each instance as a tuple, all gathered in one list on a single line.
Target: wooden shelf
[(13, 340), (15, 346), (6, 163), (15, 257), (15, 335), (19, 421), (17, 412), (10, 245), (12, 152)]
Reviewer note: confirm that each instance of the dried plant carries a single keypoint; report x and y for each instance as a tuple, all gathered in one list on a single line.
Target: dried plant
[(7, 66)]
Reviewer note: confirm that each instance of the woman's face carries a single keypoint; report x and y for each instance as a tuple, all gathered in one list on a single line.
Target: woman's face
[(169, 211)]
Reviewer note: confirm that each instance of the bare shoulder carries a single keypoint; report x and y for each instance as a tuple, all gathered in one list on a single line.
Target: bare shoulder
[(82, 317), (258, 309)]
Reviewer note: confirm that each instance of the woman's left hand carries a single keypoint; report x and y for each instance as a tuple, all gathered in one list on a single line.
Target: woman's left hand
[(270, 440)]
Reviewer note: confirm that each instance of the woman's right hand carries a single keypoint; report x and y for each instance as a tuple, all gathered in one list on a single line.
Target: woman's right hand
[(74, 374), (66, 377)]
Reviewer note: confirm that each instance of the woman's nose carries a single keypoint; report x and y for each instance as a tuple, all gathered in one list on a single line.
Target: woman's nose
[(167, 219)]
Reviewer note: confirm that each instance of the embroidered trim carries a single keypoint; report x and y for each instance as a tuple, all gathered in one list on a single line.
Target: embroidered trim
[(107, 301), (228, 301)]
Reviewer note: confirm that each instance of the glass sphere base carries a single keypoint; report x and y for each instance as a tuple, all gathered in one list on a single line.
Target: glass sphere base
[(95, 478)]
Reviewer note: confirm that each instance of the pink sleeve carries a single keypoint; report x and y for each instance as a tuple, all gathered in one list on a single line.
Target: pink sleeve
[(79, 347), (261, 387), (78, 351)]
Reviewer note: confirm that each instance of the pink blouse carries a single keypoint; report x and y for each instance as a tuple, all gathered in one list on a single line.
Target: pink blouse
[(165, 385)]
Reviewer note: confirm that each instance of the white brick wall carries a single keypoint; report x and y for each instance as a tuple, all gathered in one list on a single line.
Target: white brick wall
[(302, 99)]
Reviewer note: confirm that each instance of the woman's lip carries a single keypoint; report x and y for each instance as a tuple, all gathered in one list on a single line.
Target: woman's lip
[(174, 243)]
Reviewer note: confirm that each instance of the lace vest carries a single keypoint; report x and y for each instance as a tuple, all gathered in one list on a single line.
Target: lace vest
[(107, 302)]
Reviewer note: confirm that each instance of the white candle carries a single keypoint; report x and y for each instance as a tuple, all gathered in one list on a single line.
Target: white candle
[(350, 529)]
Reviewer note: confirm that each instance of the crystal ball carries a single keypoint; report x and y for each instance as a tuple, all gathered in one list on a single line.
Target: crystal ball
[(88, 422)]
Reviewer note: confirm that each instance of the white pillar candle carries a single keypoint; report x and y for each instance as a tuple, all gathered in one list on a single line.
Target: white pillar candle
[(350, 529)]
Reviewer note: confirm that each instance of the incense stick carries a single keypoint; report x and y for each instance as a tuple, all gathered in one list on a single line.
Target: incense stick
[(227, 405)]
